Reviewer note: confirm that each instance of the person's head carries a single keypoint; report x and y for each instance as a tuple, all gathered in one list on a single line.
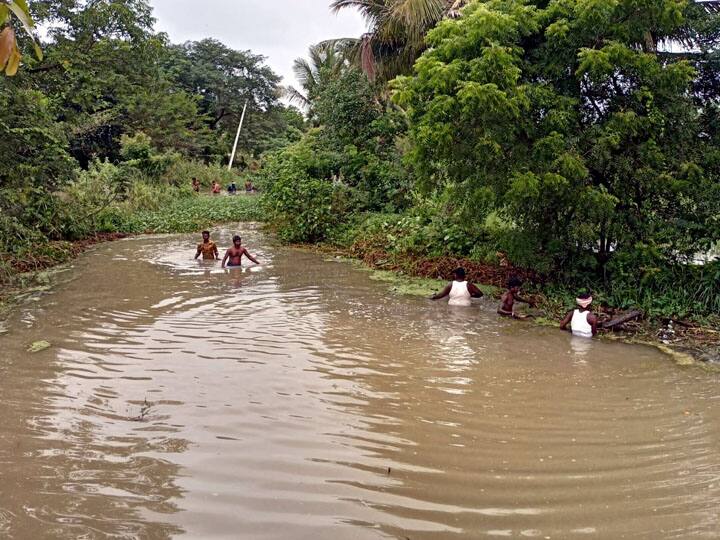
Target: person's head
[(459, 274), (206, 235), (194, 180), (584, 299), (514, 284), (237, 241)]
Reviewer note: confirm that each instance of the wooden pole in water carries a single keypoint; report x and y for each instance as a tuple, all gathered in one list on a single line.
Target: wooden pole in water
[(237, 137)]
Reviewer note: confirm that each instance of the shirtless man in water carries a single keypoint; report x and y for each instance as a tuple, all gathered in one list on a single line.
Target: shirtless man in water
[(512, 295), (236, 252), (207, 249)]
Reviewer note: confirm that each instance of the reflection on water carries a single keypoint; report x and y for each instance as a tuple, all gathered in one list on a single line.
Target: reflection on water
[(297, 399)]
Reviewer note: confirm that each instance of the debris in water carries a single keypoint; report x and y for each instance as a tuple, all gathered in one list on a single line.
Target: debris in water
[(38, 346), (144, 410)]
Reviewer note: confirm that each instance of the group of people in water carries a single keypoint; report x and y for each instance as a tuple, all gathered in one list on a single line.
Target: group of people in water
[(233, 256), (581, 321), (216, 188)]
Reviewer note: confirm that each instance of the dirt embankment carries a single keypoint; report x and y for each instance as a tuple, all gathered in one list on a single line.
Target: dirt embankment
[(54, 253)]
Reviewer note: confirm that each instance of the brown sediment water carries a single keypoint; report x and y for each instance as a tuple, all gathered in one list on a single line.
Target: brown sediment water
[(298, 399)]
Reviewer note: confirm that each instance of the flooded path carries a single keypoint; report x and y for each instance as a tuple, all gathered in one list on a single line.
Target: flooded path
[(298, 400)]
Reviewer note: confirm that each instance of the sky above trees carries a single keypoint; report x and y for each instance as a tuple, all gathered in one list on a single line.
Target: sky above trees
[(282, 30)]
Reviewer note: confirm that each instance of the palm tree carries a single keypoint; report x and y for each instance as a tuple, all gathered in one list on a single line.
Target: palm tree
[(325, 61), (397, 32)]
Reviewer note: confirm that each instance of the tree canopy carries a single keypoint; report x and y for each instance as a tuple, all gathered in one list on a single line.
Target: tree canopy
[(567, 119)]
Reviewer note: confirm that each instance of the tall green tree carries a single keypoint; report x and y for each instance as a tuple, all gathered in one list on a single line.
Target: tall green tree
[(224, 80), (568, 120)]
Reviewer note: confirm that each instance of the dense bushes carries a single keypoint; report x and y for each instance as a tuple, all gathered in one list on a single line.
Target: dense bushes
[(350, 164)]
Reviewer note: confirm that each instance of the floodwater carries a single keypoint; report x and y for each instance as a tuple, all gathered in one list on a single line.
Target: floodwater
[(299, 400)]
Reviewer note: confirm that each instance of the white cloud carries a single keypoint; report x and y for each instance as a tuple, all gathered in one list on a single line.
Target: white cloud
[(281, 30)]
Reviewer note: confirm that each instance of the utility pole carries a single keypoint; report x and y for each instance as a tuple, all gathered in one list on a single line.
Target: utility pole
[(237, 137)]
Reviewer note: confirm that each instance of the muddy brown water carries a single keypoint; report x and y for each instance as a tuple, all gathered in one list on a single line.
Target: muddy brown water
[(298, 399)]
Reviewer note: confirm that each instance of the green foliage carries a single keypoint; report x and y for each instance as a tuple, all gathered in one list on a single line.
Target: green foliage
[(180, 173), (345, 106), (222, 80), (565, 121), (313, 186), (182, 215), (302, 200), (139, 155)]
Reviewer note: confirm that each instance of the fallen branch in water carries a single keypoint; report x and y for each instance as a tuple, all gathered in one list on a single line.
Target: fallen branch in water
[(622, 319)]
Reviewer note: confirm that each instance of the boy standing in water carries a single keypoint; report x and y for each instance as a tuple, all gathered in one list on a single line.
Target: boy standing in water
[(207, 249), (582, 321), (460, 290), (236, 252), (511, 296)]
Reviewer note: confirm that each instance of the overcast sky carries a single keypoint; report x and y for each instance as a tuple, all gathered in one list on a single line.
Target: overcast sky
[(281, 30)]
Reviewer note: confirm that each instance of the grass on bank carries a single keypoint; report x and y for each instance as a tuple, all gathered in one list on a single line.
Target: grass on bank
[(184, 215)]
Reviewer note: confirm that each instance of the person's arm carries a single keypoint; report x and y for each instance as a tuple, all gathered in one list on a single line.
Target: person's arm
[(199, 251), (443, 293), (524, 300), (566, 320), (253, 259), (225, 258), (593, 321), (215, 250), (474, 291)]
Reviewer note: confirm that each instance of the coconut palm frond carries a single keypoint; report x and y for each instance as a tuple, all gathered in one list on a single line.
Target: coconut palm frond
[(367, 57), (453, 11), (397, 32), (297, 97), (325, 60), (419, 14), (711, 6), (373, 11)]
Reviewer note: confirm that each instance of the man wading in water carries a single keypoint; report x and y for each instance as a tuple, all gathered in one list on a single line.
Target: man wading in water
[(460, 290), (207, 249), (582, 321), (236, 252), (512, 295)]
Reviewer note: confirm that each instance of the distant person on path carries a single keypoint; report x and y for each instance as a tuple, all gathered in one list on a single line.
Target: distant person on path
[(208, 249), (459, 290), (235, 254), (582, 321), (215, 189), (511, 296), (195, 185), (232, 188), (249, 188)]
